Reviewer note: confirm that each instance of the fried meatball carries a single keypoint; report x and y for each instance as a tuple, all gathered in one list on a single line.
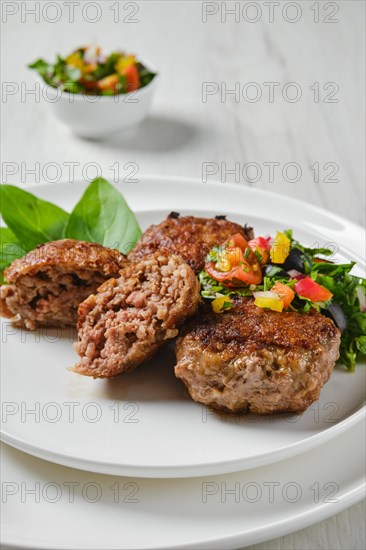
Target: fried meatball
[(47, 285), (255, 359), (190, 237), (131, 317)]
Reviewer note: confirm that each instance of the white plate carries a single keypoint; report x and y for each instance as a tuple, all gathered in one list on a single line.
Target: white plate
[(144, 423), (51, 507)]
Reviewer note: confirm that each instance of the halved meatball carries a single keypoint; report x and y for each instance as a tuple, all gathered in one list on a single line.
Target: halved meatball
[(190, 237), (131, 317), (47, 285), (258, 360)]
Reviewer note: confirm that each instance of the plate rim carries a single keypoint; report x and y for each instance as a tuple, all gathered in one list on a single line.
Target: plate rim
[(352, 492), (188, 470), (166, 178), (272, 531)]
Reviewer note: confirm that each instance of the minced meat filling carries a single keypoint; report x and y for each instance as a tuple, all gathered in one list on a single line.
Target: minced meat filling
[(131, 317), (46, 286), (50, 297)]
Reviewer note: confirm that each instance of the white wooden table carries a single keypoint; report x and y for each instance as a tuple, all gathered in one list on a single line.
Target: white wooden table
[(268, 95)]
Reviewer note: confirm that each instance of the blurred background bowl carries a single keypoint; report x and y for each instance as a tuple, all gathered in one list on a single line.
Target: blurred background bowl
[(96, 117)]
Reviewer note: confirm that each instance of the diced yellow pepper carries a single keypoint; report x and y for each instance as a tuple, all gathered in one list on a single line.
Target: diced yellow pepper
[(280, 249), (124, 62), (218, 304), (75, 60), (269, 303)]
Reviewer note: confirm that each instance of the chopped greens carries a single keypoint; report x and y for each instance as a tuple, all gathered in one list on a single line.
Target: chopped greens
[(221, 304), (88, 71), (330, 288), (211, 289)]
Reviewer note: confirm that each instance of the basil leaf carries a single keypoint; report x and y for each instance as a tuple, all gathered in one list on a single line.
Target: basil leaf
[(103, 216), (32, 220), (10, 249)]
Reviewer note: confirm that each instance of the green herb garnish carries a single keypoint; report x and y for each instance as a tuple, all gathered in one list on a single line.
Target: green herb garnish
[(88, 71), (102, 216), (349, 292)]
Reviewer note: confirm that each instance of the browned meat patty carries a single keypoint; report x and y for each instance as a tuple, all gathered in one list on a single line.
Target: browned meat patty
[(47, 285), (258, 360), (190, 237), (131, 317)]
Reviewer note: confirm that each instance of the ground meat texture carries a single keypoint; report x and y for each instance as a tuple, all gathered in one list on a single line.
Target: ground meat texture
[(47, 285), (190, 237), (132, 316), (255, 359)]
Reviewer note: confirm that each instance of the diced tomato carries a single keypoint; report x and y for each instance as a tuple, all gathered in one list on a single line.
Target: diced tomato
[(237, 264), (263, 242), (261, 248), (299, 277), (284, 292), (234, 255), (238, 240), (133, 78), (307, 288), (91, 86), (245, 273), (125, 61)]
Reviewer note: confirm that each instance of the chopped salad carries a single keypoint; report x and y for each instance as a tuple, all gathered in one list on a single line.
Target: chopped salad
[(89, 71), (281, 274)]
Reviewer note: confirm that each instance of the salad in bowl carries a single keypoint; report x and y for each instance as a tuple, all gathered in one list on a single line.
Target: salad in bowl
[(87, 70), (96, 94)]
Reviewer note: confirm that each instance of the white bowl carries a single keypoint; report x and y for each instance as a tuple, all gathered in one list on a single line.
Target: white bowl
[(98, 116)]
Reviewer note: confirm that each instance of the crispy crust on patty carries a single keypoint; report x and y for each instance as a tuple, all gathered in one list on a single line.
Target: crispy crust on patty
[(70, 254), (255, 359), (190, 237)]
